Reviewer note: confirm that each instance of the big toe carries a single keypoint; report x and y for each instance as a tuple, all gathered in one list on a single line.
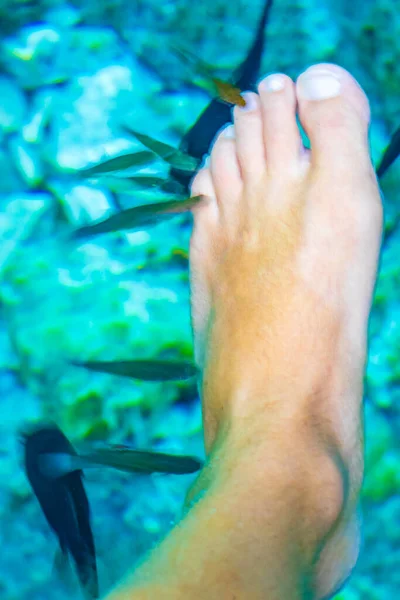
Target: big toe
[(334, 112)]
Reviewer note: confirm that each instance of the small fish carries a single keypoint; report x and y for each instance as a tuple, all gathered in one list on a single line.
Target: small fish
[(219, 88), (144, 370), (390, 155), (146, 181), (64, 503), (173, 156), (137, 217), (119, 163), (184, 254), (132, 183), (229, 93), (196, 142), (120, 457)]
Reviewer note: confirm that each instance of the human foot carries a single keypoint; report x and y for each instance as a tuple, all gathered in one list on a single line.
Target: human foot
[(283, 265)]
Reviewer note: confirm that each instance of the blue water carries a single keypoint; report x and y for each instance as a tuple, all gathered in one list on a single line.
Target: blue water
[(70, 76)]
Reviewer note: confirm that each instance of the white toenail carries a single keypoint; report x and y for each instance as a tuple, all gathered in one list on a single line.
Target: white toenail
[(273, 83), (251, 102), (229, 132), (318, 84)]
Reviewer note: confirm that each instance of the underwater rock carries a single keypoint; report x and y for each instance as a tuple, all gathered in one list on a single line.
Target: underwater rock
[(383, 480), (82, 117), (180, 109), (38, 116), (377, 37), (32, 55), (10, 180), (20, 215), (62, 16), (81, 203), (95, 302), (42, 54), (12, 105), (26, 158)]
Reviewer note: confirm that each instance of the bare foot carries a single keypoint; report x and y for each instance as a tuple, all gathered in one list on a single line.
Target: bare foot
[(283, 263)]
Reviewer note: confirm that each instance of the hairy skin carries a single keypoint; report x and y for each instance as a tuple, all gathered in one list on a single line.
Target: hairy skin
[(283, 262)]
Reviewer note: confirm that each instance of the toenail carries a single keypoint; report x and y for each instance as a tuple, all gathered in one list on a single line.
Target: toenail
[(318, 84), (251, 102), (273, 83), (229, 132)]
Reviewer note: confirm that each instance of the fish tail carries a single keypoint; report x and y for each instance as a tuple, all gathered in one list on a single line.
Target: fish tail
[(248, 71)]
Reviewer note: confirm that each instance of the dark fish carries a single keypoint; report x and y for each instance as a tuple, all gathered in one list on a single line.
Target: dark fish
[(64, 503), (146, 180), (145, 370), (197, 140), (119, 163), (120, 457), (137, 217), (390, 155), (219, 88), (176, 158)]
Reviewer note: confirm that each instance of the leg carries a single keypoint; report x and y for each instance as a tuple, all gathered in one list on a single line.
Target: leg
[(283, 260)]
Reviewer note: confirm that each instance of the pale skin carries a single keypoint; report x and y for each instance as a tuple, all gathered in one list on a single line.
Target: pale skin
[(284, 256)]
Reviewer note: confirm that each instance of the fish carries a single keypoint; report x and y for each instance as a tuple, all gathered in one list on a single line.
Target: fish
[(118, 163), (390, 155), (183, 254), (171, 155), (144, 370), (64, 503), (130, 184), (229, 93), (197, 140), (222, 90), (146, 181), (137, 217), (120, 457), (165, 185)]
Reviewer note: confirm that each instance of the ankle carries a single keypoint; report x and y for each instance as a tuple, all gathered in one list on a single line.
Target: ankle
[(261, 457)]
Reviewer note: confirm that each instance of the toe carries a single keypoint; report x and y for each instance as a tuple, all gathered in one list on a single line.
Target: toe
[(205, 213), (249, 139), (282, 138), (334, 112), (202, 242), (225, 169)]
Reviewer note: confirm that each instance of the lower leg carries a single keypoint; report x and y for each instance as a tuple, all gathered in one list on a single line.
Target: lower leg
[(257, 520)]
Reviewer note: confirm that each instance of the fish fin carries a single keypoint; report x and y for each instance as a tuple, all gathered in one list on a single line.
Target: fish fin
[(56, 464), (84, 551), (246, 74), (391, 154), (191, 59), (62, 569)]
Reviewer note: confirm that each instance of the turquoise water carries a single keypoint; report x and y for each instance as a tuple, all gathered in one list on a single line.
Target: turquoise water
[(72, 75)]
